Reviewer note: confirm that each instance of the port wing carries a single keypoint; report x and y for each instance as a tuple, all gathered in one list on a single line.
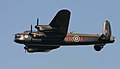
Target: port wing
[(61, 21)]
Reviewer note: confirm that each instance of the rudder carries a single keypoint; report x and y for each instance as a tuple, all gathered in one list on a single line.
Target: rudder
[(107, 29)]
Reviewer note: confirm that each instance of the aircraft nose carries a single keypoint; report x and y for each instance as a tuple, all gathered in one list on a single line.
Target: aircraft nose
[(18, 38)]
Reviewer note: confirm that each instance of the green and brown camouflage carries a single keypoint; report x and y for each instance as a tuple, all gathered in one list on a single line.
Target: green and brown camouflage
[(54, 35)]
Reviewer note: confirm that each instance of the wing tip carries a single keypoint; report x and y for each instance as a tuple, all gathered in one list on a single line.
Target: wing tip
[(65, 11)]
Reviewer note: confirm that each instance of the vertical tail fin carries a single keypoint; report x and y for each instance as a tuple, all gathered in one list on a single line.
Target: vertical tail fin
[(107, 29), (106, 36)]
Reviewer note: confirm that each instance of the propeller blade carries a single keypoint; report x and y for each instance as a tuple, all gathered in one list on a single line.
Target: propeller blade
[(37, 21), (31, 32), (37, 26), (31, 29), (25, 49)]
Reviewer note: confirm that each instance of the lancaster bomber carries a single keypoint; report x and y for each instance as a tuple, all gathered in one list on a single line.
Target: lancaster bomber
[(54, 35)]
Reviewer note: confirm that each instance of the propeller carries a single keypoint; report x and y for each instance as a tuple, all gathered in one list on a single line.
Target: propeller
[(31, 29), (37, 21), (25, 49), (31, 32), (37, 24)]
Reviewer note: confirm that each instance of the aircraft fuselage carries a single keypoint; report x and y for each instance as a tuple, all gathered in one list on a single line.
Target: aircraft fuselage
[(70, 39)]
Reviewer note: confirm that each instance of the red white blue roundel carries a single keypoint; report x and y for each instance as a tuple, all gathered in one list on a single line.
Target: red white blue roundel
[(76, 38)]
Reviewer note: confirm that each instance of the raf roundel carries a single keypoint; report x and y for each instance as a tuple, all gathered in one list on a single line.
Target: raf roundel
[(76, 38)]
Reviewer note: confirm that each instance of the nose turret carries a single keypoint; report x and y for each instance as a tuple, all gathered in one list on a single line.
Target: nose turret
[(19, 38)]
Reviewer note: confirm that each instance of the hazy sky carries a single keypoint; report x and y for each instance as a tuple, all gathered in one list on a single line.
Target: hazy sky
[(87, 17)]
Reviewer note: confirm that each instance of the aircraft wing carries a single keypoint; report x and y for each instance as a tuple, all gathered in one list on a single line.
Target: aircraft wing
[(61, 22), (39, 48)]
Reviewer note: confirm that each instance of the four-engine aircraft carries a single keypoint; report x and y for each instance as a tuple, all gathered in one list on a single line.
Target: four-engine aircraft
[(54, 35)]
